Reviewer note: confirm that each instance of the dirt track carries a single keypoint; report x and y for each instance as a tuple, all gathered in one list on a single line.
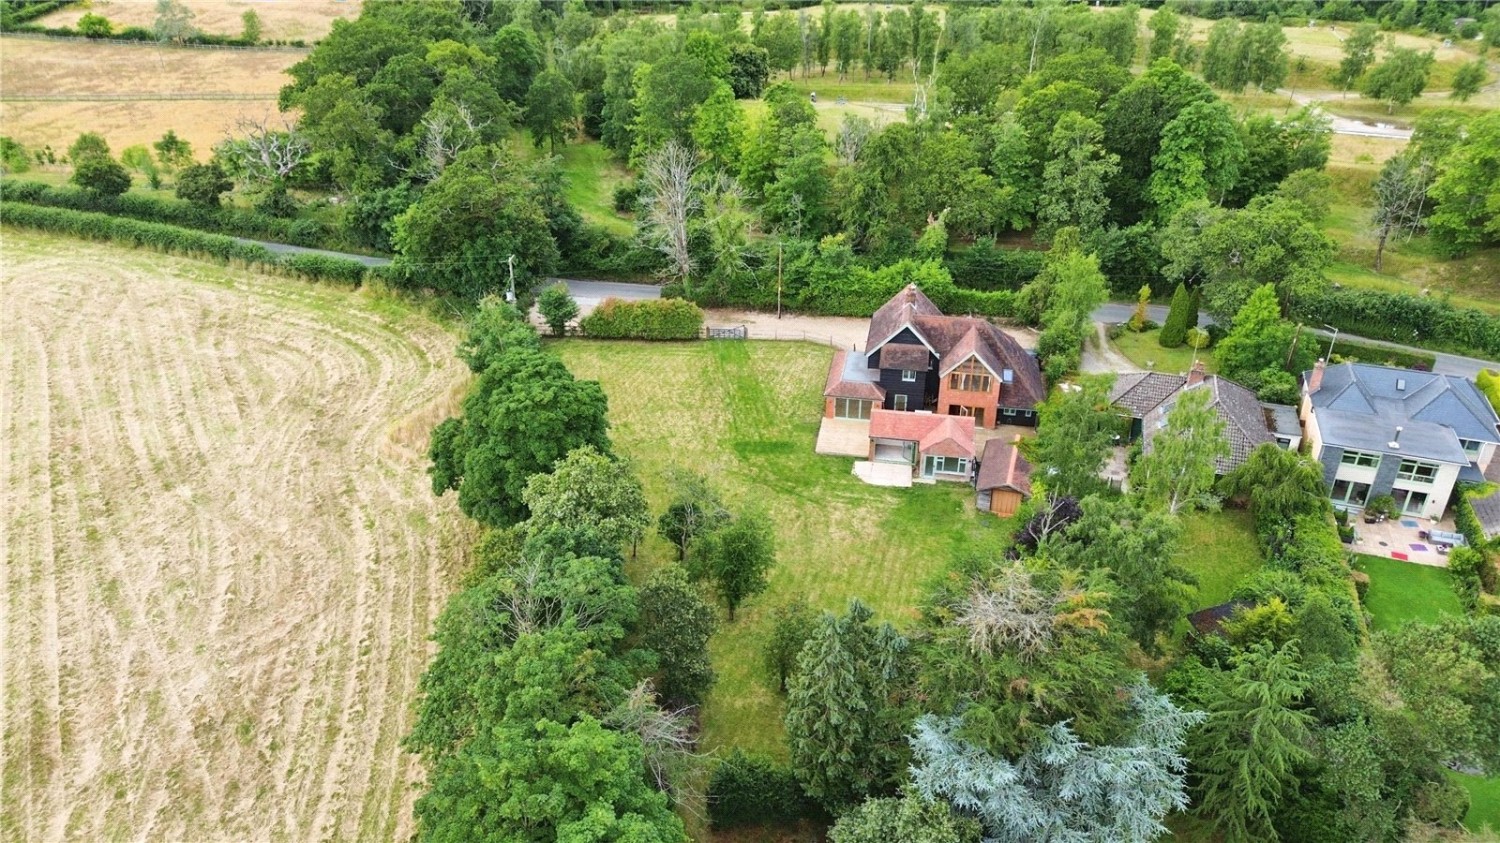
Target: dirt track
[(219, 555)]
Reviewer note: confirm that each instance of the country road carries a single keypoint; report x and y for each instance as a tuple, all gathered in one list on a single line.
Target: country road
[(589, 293)]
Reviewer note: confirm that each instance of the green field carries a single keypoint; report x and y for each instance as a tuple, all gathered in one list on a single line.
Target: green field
[(1220, 549), (1483, 819), (746, 414), (1405, 591)]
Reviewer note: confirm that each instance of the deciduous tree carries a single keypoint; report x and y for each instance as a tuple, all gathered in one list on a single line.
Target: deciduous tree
[(675, 626), (1468, 80), (1074, 435), (1074, 179), (590, 490), (102, 175), (202, 184), (1399, 79), (736, 557), (1259, 339), (792, 624), (1178, 471), (1359, 53), (551, 109)]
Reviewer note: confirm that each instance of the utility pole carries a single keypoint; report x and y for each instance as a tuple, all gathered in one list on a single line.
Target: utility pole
[(1335, 339), (510, 292), (778, 279)]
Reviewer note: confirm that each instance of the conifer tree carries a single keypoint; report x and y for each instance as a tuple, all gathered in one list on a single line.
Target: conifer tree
[(1174, 330)]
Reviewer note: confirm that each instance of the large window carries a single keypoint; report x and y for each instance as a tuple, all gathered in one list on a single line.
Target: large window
[(1363, 459), (1410, 502), (1471, 447), (945, 465), (1348, 494), (1417, 471), (898, 401), (851, 408), (969, 382)]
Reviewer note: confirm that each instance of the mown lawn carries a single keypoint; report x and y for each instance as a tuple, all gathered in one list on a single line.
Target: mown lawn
[(591, 173), (1405, 591), (746, 414), (1144, 351), (1220, 549), (1484, 805)]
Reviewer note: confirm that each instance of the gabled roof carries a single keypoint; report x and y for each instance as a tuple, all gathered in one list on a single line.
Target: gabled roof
[(897, 314), (849, 376), (1360, 406), (1244, 419), (1003, 467), (898, 355), (943, 436), (1142, 392), (949, 338)]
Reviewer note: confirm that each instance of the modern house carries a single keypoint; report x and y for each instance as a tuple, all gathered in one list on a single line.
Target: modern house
[(1004, 479), (1246, 422), (935, 447), (917, 359), (1384, 431)]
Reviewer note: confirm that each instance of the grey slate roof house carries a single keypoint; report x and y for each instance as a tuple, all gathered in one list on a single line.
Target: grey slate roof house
[(1384, 431)]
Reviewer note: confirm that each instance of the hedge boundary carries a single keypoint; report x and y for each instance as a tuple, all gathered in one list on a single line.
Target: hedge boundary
[(647, 319), (1403, 318), (174, 240), (177, 212)]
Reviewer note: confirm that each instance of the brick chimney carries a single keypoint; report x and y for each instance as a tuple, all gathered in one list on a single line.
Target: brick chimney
[(911, 295), (1195, 374), (1315, 380)]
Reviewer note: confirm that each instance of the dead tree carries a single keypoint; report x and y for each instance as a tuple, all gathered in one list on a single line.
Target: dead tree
[(1400, 199), (672, 197)]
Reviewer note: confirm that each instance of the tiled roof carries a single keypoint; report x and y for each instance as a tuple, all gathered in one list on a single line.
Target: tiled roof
[(899, 311), (1487, 510), (950, 340), (1142, 392), (1003, 467), (945, 436), (1244, 420), (949, 335), (897, 355), (1211, 620), (1360, 406), (850, 377)]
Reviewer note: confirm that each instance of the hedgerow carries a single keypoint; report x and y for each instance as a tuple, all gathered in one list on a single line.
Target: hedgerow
[(652, 319), (174, 240), (1401, 317), (239, 222)]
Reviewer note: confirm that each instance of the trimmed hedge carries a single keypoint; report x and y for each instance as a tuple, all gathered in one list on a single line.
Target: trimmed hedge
[(1401, 317), (1381, 355), (225, 220), (13, 13), (752, 790), (177, 241), (651, 319), (1468, 522)]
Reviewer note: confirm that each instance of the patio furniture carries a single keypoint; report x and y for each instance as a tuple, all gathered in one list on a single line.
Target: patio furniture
[(1444, 538)]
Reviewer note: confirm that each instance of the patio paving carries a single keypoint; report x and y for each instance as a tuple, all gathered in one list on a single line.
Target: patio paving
[(843, 438), (1398, 538), (883, 473)]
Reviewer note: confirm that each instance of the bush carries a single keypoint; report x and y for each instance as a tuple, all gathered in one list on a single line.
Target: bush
[(627, 197), (1199, 339), (1464, 565), (751, 790), (1489, 383), (557, 308), (101, 176), (202, 184), (1380, 355), (651, 319), (13, 157), (1441, 802), (595, 251)]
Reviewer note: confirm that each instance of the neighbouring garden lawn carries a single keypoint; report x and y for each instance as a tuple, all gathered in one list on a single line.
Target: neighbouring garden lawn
[(1143, 350), (1220, 549), (746, 414), (1405, 591), (1484, 804)]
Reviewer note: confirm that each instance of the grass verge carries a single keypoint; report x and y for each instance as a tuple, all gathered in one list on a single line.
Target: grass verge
[(1143, 350), (1483, 819), (746, 414), (1404, 591)]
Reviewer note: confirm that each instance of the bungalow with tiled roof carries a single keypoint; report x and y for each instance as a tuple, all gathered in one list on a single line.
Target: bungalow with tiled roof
[(1004, 479), (1246, 425), (915, 358), (936, 447)]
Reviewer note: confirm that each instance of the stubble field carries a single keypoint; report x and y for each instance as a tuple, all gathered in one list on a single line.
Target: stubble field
[(219, 556), (282, 20)]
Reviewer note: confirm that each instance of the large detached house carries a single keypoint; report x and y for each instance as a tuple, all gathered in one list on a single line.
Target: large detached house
[(916, 358), (1409, 434)]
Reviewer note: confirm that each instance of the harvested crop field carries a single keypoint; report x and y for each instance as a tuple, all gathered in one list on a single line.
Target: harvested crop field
[(133, 93), (220, 558), (282, 20)]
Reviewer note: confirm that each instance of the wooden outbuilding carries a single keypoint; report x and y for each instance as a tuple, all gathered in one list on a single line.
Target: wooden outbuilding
[(1004, 480)]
